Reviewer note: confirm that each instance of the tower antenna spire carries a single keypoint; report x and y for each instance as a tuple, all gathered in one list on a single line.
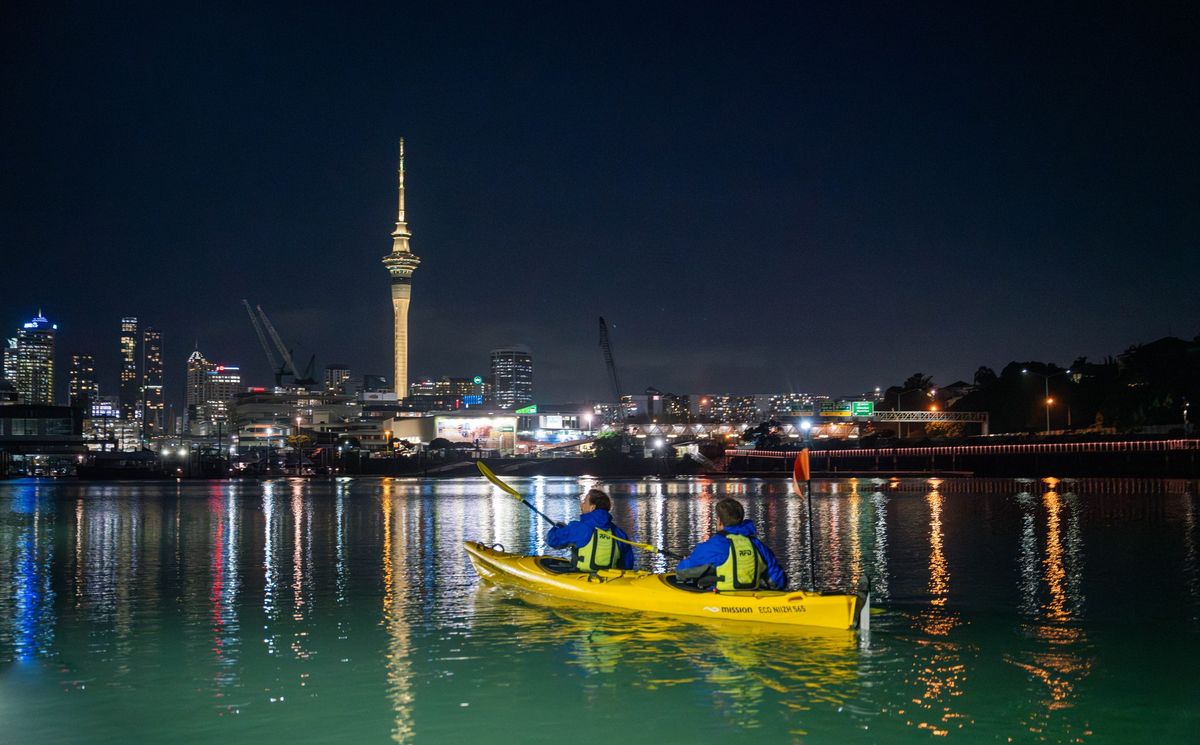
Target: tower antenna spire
[(400, 219)]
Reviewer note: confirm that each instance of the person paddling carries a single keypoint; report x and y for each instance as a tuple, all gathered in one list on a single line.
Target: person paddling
[(590, 548), (733, 558)]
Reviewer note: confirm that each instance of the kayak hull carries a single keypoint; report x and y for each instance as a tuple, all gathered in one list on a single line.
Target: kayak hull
[(654, 593)]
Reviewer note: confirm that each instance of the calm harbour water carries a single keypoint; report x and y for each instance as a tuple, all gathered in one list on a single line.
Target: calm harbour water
[(323, 610)]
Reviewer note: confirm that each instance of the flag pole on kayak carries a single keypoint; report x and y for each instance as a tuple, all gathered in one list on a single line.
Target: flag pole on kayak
[(492, 477), (802, 472)]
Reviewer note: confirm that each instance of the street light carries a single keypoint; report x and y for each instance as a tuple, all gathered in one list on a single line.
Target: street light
[(1046, 382), (299, 449), (931, 393)]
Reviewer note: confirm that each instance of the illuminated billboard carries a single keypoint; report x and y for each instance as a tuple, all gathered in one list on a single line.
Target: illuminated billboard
[(492, 432)]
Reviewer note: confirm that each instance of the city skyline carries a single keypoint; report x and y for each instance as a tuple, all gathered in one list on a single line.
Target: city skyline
[(762, 206)]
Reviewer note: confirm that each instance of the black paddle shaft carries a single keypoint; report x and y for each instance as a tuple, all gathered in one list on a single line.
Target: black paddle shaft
[(538, 512)]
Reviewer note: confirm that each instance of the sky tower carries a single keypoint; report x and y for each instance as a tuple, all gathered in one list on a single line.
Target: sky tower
[(401, 263)]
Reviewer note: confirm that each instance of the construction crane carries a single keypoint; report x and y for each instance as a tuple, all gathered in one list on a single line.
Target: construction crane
[(606, 347), (260, 321), (283, 351)]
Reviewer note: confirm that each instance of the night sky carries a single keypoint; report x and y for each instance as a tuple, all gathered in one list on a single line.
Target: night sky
[(822, 199)]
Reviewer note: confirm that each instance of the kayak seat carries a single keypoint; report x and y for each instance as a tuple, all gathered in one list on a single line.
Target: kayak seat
[(675, 582), (557, 566)]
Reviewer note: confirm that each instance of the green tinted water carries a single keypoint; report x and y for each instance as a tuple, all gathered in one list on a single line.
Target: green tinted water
[(320, 611)]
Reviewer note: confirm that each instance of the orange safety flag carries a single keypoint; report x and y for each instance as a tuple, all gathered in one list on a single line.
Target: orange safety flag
[(800, 470)]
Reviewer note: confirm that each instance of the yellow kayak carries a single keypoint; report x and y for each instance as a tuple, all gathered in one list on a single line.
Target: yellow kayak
[(658, 593)]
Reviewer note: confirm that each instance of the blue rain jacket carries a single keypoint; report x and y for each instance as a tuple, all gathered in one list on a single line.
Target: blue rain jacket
[(715, 551), (578, 532)]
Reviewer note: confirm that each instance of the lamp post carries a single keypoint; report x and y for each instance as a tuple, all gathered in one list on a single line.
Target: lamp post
[(900, 425), (1046, 382), (299, 450)]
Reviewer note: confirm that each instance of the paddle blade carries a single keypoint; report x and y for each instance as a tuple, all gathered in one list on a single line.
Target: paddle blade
[(487, 472), (800, 470)]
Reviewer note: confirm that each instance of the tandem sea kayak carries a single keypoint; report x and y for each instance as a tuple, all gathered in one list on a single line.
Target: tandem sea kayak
[(659, 593)]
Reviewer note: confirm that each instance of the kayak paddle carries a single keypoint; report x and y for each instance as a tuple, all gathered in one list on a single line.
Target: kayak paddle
[(487, 472)]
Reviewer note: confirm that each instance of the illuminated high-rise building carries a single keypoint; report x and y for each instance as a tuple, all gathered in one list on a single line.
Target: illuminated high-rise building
[(401, 263), (32, 367), (512, 377), (211, 389), (129, 369), (9, 357), (82, 388), (152, 382)]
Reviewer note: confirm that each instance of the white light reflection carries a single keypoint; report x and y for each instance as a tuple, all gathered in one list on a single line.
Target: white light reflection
[(270, 572), (341, 487), (879, 582)]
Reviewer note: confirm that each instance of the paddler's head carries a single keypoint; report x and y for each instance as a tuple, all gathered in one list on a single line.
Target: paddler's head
[(595, 499), (729, 512)]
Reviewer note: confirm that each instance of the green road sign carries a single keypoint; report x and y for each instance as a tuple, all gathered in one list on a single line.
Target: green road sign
[(862, 408)]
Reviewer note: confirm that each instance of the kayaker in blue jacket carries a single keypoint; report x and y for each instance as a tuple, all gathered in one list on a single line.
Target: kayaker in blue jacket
[(733, 558), (591, 549)]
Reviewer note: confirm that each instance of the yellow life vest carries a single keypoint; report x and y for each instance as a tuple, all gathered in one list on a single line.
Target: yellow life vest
[(744, 568), (600, 552)]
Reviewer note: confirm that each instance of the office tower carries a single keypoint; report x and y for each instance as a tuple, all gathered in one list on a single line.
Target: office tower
[(512, 377), (8, 356), (211, 389), (81, 386), (336, 377), (197, 369), (129, 369), (32, 366), (152, 382), (401, 263)]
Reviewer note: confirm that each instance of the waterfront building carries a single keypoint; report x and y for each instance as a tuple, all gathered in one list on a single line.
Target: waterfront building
[(401, 263), (32, 366), (336, 376), (105, 430), (129, 369), (152, 383), (8, 393), (82, 388), (512, 377), (37, 439), (487, 431)]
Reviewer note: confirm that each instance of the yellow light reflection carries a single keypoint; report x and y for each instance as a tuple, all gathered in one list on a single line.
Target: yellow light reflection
[(399, 666), (939, 670), (939, 572), (1056, 661)]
